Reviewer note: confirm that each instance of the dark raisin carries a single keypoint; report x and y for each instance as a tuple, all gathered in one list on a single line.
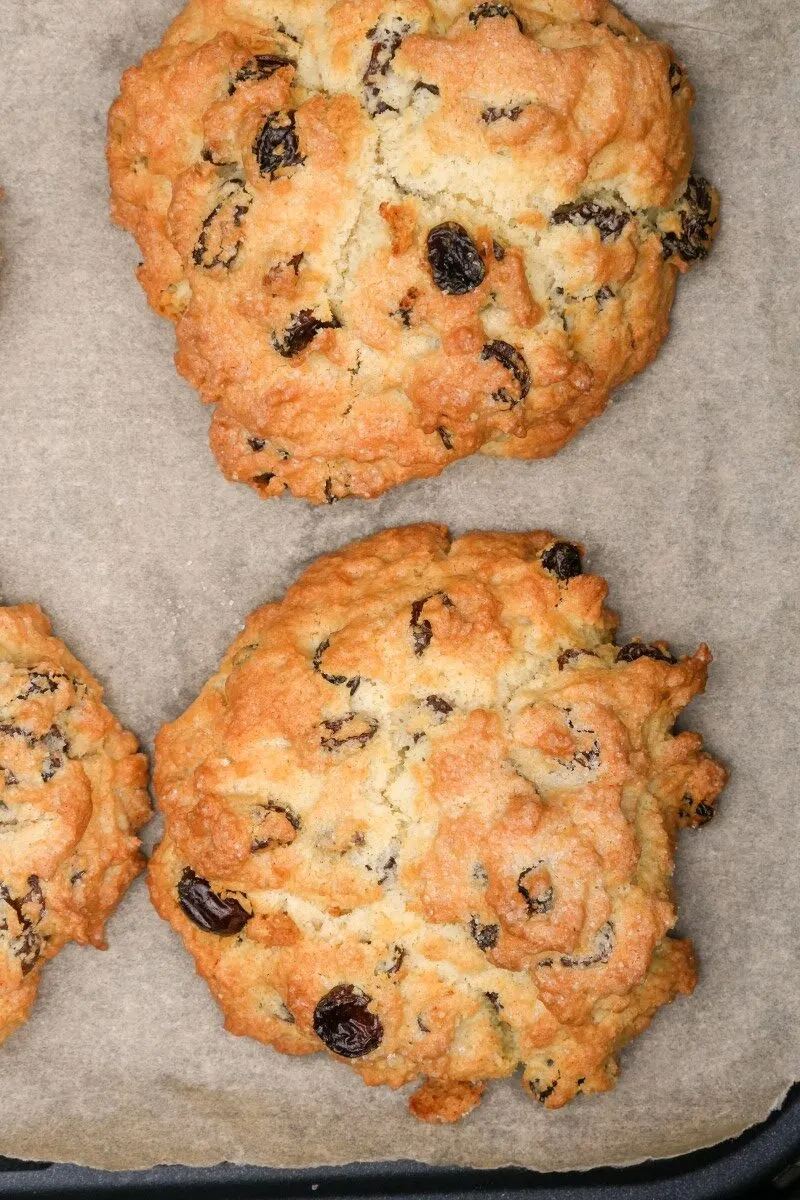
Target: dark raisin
[(510, 358), (602, 294), (57, 749), (353, 728), (485, 935), (498, 250), (494, 10), (675, 77), (276, 148), (494, 1000), (439, 704), (567, 656), (405, 307), (29, 909), (538, 897), (343, 1021), (207, 909), (388, 869), (694, 239), (563, 560), (542, 1090), (455, 263), (17, 731), (301, 332), (39, 683), (634, 650), (261, 66), (386, 40), (695, 812), (262, 843), (256, 444), (316, 662), (219, 244), (492, 114), (425, 87), (265, 478), (422, 630), (394, 964), (446, 436), (604, 944), (609, 221)]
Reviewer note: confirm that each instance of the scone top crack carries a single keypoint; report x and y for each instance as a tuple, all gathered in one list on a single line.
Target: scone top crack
[(73, 792), (395, 233), (424, 816)]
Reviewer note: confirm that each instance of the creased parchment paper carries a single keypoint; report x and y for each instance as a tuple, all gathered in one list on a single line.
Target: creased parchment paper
[(114, 517)]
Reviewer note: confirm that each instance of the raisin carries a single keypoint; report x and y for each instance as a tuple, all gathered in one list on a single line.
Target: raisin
[(386, 40), (405, 307), (491, 114), (538, 895), (542, 1090), (602, 294), (343, 731), (498, 250), (446, 436), (439, 705), (256, 444), (301, 333), (675, 77), (26, 946), (207, 909), (485, 935), (634, 650), (494, 1000), (261, 66), (57, 748), (694, 240), (609, 221), (510, 358), (604, 944), (395, 963), (483, 11), (39, 683), (567, 656), (316, 663), (563, 560), (694, 812), (455, 263), (218, 244), (264, 479), (425, 87), (343, 1021), (422, 630), (276, 148), (262, 843)]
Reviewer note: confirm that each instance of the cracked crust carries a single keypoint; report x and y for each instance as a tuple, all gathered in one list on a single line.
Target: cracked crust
[(425, 815), (72, 794), (283, 165)]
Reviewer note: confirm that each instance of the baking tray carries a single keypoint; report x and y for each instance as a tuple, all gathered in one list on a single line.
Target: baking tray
[(764, 1162)]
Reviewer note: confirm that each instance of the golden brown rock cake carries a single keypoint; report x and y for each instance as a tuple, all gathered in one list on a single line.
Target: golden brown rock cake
[(72, 794), (392, 233), (424, 815)]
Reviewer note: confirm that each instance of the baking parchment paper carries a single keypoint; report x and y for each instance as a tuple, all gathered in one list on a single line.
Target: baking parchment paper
[(114, 516)]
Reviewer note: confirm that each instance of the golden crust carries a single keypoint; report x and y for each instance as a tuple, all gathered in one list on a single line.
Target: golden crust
[(427, 785), (283, 214), (73, 791)]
